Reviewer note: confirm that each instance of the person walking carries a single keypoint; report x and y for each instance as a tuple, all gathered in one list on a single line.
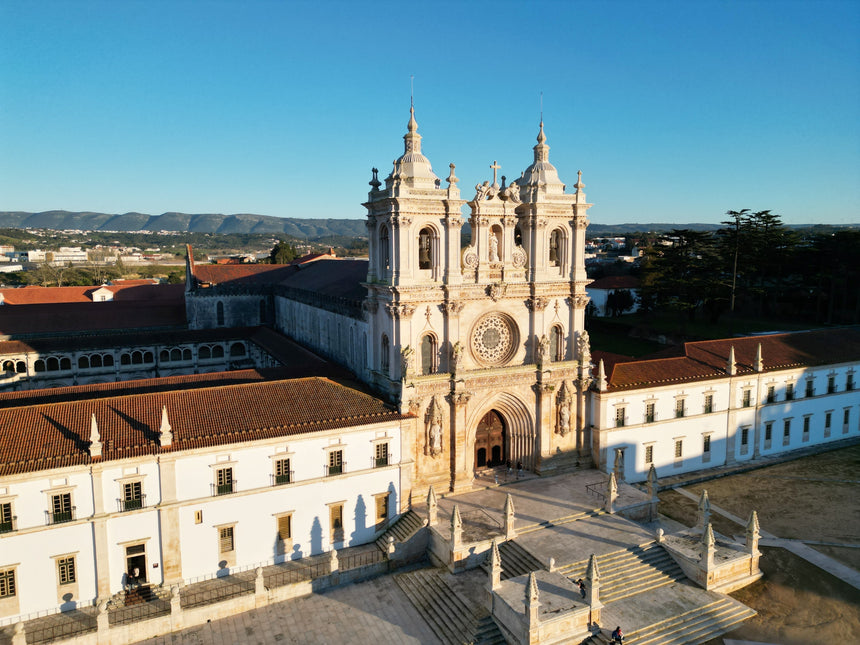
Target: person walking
[(617, 636)]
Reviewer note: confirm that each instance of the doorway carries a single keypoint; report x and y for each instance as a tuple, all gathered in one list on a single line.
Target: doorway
[(490, 441), (135, 558)]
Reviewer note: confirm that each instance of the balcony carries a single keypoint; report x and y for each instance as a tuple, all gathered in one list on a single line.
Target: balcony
[(8, 527), (379, 462), (331, 471), (60, 517), (283, 478), (224, 489), (131, 504)]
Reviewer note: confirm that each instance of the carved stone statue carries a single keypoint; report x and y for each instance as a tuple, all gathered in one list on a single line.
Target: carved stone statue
[(483, 191), (457, 357), (494, 247), (406, 361), (565, 396), (433, 423), (583, 347), (512, 193), (542, 350)]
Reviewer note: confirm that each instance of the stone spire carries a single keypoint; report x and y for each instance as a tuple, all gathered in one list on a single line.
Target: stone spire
[(611, 494), (413, 167), (542, 174), (759, 363), (541, 149), (752, 533), (703, 511), (708, 547), (456, 527), (652, 482), (592, 587), (495, 567), (601, 376), (165, 434), (731, 365), (510, 531), (432, 507), (95, 438), (532, 599)]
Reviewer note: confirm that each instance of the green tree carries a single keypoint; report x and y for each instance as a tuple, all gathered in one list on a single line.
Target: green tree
[(283, 253)]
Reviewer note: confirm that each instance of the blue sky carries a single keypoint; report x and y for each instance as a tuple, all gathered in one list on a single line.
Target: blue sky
[(674, 111)]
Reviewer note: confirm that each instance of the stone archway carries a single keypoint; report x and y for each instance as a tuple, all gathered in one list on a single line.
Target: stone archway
[(490, 441), (507, 424)]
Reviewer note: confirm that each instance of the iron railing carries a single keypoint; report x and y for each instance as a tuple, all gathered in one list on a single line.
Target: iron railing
[(292, 573), (7, 527), (284, 478), (331, 471), (141, 611), (224, 489), (216, 591), (58, 517), (71, 624), (131, 504)]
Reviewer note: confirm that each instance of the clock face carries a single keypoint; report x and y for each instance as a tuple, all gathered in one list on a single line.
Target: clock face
[(494, 339)]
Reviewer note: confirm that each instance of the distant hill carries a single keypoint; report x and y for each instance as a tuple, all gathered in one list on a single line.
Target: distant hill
[(248, 223)]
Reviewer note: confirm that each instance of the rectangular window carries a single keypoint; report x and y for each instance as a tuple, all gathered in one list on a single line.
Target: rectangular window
[(709, 404), (382, 509), (768, 431), (336, 522), (679, 408), (831, 384), (619, 417), (747, 398), (381, 455), (7, 583), (828, 420), (745, 440), (679, 448), (285, 533), (226, 544), (786, 432), (789, 391), (849, 381), (810, 390), (649, 455), (846, 418), (771, 394), (6, 518), (335, 462), (806, 424), (650, 413), (61, 508), (66, 570), (282, 471), (132, 496), (706, 443), (223, 481)]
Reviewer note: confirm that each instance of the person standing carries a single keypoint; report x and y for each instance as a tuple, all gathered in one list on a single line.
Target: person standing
[(617, 636)]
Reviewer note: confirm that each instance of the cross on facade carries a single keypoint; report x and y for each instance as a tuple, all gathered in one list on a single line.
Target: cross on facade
[(495, 168)]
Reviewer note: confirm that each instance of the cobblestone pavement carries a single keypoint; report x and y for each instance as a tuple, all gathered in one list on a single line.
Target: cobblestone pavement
[(373, 612)]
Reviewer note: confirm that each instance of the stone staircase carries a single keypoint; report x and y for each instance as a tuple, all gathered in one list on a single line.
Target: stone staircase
[(630, 571), (516, 561), (450, 618), (142, 594), (530, 528), (404, 528), (694, 627)]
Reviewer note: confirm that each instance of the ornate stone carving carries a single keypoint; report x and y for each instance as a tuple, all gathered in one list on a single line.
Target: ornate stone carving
[(581, 223), (538, 303), (454, 222), (583, 347), (577, 302), (509, 221), (542, 350), (484, 191), (541, 222), (460, 398), (453, 307), (414, 406), (494, 248), (563, 401), (433, 428), (375, 183), (494, 339), (397, 310), (370, 306), (497, 290), (470, 258), (518, 257), (406, 355), (512, 193), (401, 221)]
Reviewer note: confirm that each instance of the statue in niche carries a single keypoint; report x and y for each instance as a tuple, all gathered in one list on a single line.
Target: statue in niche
[(542, 350), (433, 424), (456, 357), (406, 355), (583, 348), (564, 400), (494, 247)]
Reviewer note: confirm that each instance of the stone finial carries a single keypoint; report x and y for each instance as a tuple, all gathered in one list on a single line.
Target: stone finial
[(592, 588), (510, 531), (703, 511), (611, 494), (592, 572), (601, 376), (456, 526), (708, 547), (652, 483), (731, 364), (165, 431), (390, 545), (432, 507), (752, 533), (495, 566), (95, 438), (550, 565), (333, 560), (618, 466), (759, 363), (452, 178)]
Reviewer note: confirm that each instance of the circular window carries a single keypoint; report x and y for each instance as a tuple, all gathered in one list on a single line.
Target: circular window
[(494, 339)]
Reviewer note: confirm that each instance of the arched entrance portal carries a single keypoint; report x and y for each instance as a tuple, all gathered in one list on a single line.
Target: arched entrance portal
[(490, 440)]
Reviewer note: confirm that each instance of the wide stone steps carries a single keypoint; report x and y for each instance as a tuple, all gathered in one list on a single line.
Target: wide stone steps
[(516, 561), (453, 622), (530, 528), (404, 528), (693, 627), (629, 572)]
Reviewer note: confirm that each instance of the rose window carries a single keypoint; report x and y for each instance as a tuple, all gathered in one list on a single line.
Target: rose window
[(493, 339)]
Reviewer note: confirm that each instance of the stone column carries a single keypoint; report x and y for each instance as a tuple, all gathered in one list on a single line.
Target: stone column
[(175, 608), (461, 475), (260, 597), (103, 624), (18, 636), (100, 534), (611, 494), (510, 531)]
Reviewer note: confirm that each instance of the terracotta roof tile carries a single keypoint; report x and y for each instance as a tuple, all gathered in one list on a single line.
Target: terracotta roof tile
[(45, 319), (42, 436), (239, 274), (707, 359), (129, 290)]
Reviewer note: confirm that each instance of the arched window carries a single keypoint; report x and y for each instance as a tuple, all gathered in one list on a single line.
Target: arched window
[(262, 312), (219, 312), (186, 354), (95, 360), (66, 363), (53, 364), (518, 236), (83, 363), (204, 352), (384, 252), (217, 352), (21, 367), (149, 357), (164, 356), (556, 242), (107, 360), (125, 359), (429, 361), (384, 355), (175, 354), (425, 248), (556, 343), (137, 358), (237, 349), (39, 365), (8, 366)]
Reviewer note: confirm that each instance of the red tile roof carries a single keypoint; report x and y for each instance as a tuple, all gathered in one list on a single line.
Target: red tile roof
[(702, 360), (240, 274), (54, 435), (69, 317), (615, 282), (127, 290)]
